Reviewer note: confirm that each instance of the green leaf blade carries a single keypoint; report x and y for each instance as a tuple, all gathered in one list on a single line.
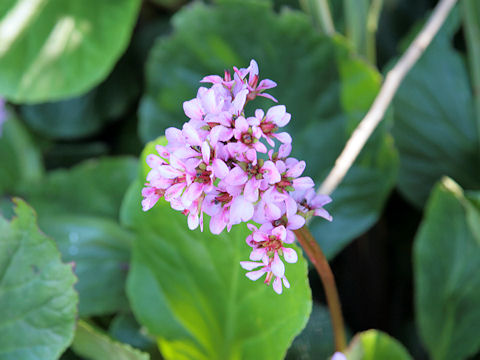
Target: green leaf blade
[(447, 281), (215, 312), (59, 49), (37, 299)]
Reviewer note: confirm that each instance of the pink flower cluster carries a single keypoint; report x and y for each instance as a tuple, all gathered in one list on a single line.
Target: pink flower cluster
[(219, 164)]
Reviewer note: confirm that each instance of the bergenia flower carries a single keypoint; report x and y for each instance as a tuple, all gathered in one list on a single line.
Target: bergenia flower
[(219, 164)]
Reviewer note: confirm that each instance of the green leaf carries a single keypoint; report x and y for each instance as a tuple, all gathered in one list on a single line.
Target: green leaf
[(37, 299), (94, 345), (447, 280), (20, 159), (85, 115), (188, 289), (94, 187), (100, 250), (324, 86), (84, 224), (376, 345), (54, 49), (316, 340), (435, 129), (126, 329)]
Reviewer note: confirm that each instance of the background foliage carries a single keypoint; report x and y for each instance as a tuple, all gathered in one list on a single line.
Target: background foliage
[(85, 274)]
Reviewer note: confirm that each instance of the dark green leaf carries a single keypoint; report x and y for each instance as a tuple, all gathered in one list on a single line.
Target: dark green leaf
[(79, 209), (447, 280), (324, 86), (54, 49), (37, 299), (20, 160), (126, 329), (435, 129), (95, 187), (94, 345), (316, 340), (100, 250)]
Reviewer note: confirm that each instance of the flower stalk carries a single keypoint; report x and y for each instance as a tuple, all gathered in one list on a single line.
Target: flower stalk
[(318, 259)]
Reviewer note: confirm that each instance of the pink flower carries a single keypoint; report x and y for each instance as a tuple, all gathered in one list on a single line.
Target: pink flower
[(214, 165)]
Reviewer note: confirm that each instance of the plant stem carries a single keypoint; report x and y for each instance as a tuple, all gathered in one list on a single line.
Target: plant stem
[(318, 259), (388, 90)]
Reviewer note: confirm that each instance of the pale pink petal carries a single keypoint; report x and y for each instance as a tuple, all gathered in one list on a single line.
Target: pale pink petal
[(193, 109), (284, 150), (323, 213), (266, 84), (174, 191), (270, 172), (169, 172), (283, 137), (236, 176), (257, 254), (290, 237), (276, 113), (295, 222), (277, 285), (240, 210), (296, 170), (206, 152), (251, 190), (239, 102), (192, 193), (272, 211), (289, 255), (153, 160), (303, 183), (220, 169), (280, 232), (241, 125), (193, 221), (214, 79), (217, 224), (278, 268), (285, 282), (255, 275), (174, 136), (268, 96), (320, 200), (250, 265), (191, 135)]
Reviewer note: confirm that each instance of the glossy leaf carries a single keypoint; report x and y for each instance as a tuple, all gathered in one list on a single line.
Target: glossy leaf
[(37, 299), (85, 115), (53, 49), (325, 106), (94, 187), (79, 209), (435, 128), (100, 249), (376, 345), (91, 343), (19, 158), (447, 280), (188, 289)]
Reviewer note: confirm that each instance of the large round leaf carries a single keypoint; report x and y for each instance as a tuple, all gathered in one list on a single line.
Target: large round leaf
[(324, 86), (37, 299), (54, 49), (435, 128), (447, 277), (188, 289), (78, 208)]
